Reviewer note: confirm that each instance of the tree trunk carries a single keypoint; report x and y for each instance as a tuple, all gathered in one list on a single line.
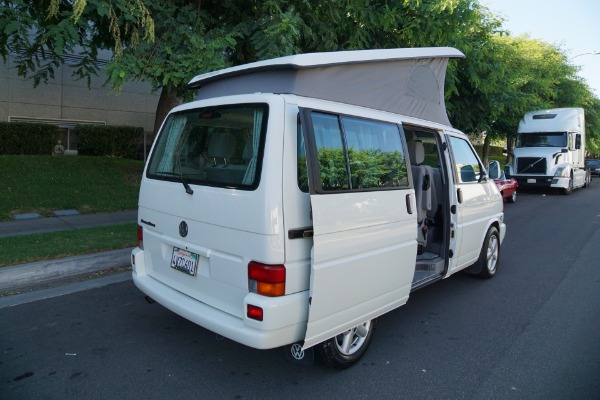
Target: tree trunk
[(486, 149), (168, 99)]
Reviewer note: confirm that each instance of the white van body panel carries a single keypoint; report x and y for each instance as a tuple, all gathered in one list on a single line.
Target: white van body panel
[(353, 270), (362, 266), (474, 218), (349, 256), (225, 236), (284, 326)]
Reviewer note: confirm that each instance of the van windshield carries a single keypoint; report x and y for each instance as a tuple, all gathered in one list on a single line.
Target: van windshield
[(542, 139), (217, 146)]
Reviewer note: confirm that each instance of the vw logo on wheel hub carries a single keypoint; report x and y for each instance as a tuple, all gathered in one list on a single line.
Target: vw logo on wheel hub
[(297, 351)]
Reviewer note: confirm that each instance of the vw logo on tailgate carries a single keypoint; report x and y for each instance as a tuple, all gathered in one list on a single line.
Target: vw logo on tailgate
[(183, 229)]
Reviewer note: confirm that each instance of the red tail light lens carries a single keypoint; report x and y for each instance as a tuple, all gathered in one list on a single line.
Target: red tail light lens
[(254, 312), (140, 237), (266, 279)]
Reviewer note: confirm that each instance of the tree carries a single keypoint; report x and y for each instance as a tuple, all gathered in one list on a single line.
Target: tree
[(167, 42), (42, 33), (186, 44), (539, 77)]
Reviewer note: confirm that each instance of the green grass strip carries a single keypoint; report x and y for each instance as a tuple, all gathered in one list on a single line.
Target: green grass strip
[(44, 246), (46, 183)]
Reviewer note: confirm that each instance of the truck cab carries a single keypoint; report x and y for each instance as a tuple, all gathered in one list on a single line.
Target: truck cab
[(550, 150)]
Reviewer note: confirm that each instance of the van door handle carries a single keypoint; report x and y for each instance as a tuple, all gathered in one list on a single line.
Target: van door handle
[(459, 195), (301, 233), (408, 204)]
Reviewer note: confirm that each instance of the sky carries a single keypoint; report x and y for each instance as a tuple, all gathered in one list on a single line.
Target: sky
[(572, 24)]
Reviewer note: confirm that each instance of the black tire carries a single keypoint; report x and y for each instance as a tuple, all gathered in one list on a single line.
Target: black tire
[(569, 189), (489, 257), (512, 198), (346, 349)]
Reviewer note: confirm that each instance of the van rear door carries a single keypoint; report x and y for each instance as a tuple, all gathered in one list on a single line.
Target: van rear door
[(364, 221)]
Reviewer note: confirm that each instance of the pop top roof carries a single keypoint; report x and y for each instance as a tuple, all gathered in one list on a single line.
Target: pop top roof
[(402, 81)]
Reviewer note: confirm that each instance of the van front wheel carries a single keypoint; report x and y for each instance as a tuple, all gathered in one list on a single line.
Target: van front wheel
[(490, 254), (347, 348)]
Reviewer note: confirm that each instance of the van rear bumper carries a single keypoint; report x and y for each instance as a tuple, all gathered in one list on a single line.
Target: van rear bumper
[(279, 327)]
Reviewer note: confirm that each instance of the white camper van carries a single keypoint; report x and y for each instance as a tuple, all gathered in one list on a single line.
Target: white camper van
[(550, 150), (300, 198)]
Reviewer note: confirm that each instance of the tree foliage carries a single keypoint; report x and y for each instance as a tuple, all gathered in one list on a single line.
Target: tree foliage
[(167, 42), (44, 34)]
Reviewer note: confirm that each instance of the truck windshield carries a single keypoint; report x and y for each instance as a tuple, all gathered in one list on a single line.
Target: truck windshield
[(542, 139), (217, 146)]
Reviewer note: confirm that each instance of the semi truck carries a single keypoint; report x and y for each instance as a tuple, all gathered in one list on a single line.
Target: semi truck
[(549, 150)]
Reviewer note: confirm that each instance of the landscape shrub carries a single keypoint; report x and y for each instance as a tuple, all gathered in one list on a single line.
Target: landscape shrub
[(112, 141), (27, 138)]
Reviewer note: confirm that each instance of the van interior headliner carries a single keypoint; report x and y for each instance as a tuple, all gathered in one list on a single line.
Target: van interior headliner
[(402, 81)]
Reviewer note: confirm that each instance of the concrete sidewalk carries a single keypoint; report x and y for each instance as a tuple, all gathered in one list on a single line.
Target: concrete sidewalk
[(62, 223), (13, 277)]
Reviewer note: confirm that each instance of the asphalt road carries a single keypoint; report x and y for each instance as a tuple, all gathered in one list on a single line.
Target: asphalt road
[(532, 332)]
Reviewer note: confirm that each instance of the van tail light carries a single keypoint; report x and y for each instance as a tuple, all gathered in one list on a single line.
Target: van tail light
[(140, 237), (266, 279), (254, 312)]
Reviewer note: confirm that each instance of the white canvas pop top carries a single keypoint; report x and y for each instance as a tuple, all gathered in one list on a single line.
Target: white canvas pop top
[(298, 199)]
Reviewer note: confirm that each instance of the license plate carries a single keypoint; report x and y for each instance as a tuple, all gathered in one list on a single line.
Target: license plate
[(184, 261), (531, 181)]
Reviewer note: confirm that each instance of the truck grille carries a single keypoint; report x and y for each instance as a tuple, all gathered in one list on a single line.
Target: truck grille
[(531, 165)]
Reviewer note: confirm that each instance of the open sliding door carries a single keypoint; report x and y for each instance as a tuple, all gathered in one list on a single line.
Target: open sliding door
[(364, 221)]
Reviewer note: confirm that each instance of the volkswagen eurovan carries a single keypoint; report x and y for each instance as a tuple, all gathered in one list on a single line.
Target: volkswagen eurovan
[(298, 199)]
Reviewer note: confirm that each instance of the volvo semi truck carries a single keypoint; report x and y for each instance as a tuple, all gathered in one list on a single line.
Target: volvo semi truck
[(550, 150)]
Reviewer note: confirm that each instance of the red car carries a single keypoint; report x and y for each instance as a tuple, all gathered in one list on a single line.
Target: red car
[(507, 187)]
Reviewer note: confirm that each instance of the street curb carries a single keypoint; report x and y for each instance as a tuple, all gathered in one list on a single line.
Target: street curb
[(47, 270)]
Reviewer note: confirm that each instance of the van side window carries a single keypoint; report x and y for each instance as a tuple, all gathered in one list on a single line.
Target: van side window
[(331, 153), (375, 153), (466, 164), (358, 154)]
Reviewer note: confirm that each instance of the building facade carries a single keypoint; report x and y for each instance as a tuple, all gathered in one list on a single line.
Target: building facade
[(67, 102)]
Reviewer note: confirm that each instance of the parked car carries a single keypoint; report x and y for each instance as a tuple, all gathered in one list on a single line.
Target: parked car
[(594, 166), (507, 187)]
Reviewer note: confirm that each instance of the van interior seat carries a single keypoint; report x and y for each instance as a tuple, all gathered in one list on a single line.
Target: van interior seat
[(422, 177), (422, 181), (221, 146), (436, 195)]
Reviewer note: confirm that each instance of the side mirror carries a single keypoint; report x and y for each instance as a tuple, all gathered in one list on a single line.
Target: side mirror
[(578, 141), (494, 170)]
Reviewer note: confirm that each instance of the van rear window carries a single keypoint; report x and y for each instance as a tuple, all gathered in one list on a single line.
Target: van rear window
[(216, 146)]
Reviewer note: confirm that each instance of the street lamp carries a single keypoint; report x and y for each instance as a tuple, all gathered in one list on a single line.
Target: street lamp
[(585, 54)]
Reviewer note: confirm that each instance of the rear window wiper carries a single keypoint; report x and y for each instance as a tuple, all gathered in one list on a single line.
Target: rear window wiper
[(184, 181)]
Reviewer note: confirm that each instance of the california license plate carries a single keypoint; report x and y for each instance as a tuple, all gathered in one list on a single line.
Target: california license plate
[(531, 180), (184, 261)]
